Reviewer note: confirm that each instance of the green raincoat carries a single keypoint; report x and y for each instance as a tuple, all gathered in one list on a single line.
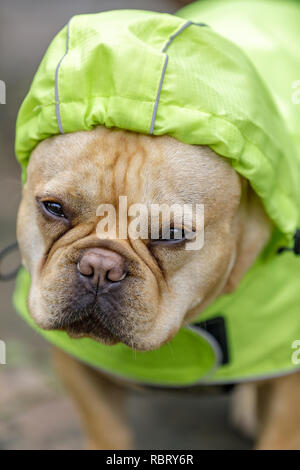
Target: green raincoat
[(219, 73)]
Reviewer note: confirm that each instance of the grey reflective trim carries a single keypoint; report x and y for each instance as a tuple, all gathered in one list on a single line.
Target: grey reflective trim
[(158, 94), (57, 109), (251, 378), (186, 25), (171, 39), (211, 340)]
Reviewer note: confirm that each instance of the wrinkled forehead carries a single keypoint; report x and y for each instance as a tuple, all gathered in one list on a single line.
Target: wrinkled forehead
[(105, 163)]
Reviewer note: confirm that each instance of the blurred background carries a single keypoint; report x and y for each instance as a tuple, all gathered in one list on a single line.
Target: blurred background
[(35, 413)]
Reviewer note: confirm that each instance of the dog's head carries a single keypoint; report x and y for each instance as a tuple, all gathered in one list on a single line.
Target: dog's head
[(135, 290)]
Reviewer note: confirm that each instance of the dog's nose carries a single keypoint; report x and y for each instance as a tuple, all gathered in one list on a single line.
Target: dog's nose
[(100, 266)]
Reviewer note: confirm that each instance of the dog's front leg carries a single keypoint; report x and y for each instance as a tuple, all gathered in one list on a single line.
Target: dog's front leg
[(279, 413), (99, 402)]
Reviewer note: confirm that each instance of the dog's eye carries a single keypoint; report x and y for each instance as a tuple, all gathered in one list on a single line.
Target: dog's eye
[(177, 235), (54, 208)]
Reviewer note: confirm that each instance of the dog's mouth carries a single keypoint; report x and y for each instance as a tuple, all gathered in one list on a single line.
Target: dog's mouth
[(111, 315), (90, 323), (79, 329), (101, 320)]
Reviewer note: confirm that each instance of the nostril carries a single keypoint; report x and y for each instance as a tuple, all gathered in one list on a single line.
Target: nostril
[(85, 269), (116, 275), (123, 277)]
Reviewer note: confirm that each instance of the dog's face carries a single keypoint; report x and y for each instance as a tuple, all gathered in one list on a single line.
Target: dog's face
[(138, 291)]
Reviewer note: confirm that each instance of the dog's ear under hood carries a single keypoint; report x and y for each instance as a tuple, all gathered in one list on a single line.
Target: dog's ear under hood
[(158, 74)]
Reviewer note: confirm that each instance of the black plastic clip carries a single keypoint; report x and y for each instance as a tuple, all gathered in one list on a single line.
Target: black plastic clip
[(296, 247)]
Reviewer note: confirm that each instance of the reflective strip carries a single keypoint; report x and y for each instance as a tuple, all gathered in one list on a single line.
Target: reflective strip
[(186, 25), (158, 94), (250, 378), (170, 40), (57, 109)]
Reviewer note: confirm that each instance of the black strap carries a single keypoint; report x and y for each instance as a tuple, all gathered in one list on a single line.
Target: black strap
[(297, 242), (3, 253), (217, 328)]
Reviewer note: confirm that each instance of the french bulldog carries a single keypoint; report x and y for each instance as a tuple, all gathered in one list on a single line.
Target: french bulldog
[(140, 291), (144, 289)]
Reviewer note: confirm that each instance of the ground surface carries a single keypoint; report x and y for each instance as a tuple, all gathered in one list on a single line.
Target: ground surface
[(34, 411)]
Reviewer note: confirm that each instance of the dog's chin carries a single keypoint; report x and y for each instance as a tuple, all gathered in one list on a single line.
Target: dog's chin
[(104, 338), (104, 326), (111, 338), (89, 329), (94, 330), (103, 335)]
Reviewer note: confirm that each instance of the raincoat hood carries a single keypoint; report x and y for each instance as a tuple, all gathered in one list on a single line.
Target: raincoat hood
[(208, 76), (161, 74)]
